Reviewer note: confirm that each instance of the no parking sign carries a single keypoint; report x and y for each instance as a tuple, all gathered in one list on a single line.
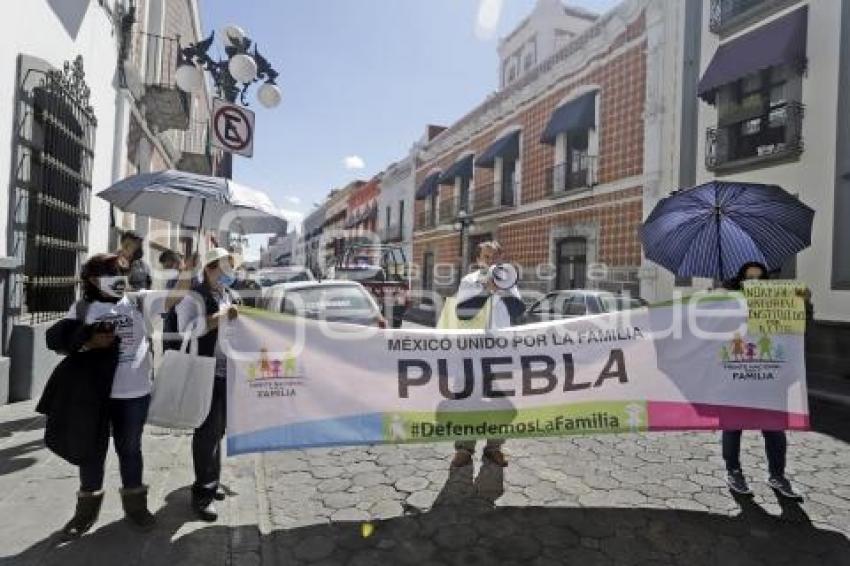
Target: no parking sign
[(233, 128)]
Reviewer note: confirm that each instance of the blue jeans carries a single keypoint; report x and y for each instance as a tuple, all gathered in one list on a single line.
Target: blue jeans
[(127, 420), (775, 447)]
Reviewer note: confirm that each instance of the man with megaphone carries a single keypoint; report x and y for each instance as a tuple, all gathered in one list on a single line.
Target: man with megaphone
[(489, 294)]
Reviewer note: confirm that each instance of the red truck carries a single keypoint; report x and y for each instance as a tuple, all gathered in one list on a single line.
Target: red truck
[(383, 270)]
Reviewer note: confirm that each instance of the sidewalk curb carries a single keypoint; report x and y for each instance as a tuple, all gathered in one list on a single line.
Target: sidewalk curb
[(264, 524)]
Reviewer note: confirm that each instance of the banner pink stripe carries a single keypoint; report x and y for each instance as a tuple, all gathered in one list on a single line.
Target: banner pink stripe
[(665, 415)]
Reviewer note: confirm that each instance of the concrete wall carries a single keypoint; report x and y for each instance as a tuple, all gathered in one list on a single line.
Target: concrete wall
[(58, 31), (812, 177), (5, 364), (539, 34), (396, 186), (31, 361), (665, 116)]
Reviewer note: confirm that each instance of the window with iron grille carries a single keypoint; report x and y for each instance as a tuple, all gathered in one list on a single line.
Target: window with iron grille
[(759, 119), (52, 190)]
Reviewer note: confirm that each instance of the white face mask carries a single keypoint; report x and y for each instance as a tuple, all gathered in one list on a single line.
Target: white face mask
[(169, 274), (113, 286)]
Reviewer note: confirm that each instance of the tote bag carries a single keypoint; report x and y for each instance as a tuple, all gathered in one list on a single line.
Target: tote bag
[(183, 388)]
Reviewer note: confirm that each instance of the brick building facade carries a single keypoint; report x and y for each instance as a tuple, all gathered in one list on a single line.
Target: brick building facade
[(566, 210), (362, 219)]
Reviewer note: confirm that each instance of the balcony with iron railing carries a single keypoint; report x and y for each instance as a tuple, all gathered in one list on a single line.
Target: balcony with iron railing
[(486, 199), (756, 142), (572, 177), (727, 16), (151, 76)]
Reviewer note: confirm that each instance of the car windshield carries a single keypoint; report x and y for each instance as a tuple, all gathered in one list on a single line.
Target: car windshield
[(613, 303), (391, 261), (364, 273), (267, 279), (334, 301)]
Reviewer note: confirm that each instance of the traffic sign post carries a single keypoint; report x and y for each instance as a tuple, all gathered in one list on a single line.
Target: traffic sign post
[(233, 128)]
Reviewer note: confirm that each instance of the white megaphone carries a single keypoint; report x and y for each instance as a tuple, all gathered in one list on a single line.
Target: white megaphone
[(503, 275)]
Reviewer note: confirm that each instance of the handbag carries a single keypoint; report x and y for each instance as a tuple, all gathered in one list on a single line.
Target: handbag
[(183, 388)]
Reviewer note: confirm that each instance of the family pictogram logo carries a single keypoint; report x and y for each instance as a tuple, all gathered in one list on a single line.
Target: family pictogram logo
[(267, 368), (741, 350)]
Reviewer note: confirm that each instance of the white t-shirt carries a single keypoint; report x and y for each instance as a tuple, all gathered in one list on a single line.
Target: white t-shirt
[(471, 285), (133, 374), (192, 317)]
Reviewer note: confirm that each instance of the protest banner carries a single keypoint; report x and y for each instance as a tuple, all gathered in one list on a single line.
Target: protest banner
[(691, 365)]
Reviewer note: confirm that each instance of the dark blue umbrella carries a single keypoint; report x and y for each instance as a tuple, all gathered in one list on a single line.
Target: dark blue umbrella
[(713, 229)]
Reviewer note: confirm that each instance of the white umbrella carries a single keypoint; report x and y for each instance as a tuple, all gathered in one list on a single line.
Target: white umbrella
[(254, 212), (197, 201)]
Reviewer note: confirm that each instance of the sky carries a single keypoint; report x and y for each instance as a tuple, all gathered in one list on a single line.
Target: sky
[(361, 79)]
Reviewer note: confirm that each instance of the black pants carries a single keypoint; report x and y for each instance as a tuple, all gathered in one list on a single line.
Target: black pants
[(775, 446), (127, 420), (206, 442)]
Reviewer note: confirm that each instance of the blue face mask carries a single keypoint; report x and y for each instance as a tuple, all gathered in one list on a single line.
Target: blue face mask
[(226, 280)]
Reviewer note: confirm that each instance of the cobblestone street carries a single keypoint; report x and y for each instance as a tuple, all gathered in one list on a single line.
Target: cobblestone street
[(628, 499), (625, 499)]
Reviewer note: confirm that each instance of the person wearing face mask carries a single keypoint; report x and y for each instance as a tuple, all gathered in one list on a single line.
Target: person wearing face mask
[(775, 441), (172, 265), (476, 290), (103, 385), (131, 263), (248, 289), (202, 314)]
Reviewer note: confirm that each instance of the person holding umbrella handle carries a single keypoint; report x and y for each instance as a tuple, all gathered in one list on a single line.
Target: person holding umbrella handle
[(775, 441)]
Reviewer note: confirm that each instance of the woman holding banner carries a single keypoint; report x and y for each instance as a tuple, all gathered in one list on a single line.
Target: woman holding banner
[(203, 318), (775, 441)]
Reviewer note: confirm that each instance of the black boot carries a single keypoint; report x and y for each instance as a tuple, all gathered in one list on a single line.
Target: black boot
[(203, 503), (85, 516), (135, 503)]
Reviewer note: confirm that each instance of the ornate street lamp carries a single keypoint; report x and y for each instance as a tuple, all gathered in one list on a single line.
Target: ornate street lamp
[(232, 77), (463, 223)]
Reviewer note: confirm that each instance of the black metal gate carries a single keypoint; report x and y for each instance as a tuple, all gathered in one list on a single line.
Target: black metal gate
[(52, 190)]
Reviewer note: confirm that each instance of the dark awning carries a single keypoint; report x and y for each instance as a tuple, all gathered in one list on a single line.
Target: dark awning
[(505, 146), (781, 42), (428, 186), (578, 114), (461, 168)]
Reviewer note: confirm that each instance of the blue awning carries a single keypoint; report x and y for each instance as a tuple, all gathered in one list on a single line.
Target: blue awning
[(461, 168), (780, 42), (428, 186), (578, 114), (506, 146)]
